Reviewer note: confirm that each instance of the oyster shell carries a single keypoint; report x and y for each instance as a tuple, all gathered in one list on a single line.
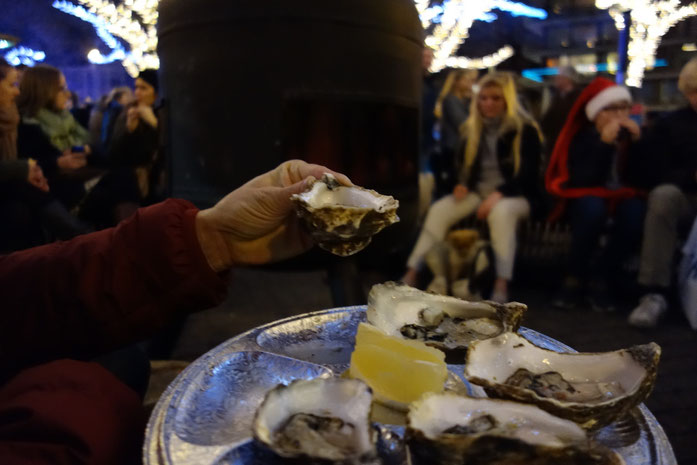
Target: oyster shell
[(319, 419), (444, 322), (449, 429), (592, 389), (341, 219)]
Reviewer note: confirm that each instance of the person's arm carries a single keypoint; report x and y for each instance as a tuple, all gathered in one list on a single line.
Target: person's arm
[(105, 289), (132, 148), (589, 159), (454, 111), (33, 143)]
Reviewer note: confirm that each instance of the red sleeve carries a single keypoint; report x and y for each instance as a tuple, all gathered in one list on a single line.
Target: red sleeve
[(99, 291)]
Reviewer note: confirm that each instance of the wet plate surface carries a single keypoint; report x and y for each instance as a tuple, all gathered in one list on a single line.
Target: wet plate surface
[(205, 415)]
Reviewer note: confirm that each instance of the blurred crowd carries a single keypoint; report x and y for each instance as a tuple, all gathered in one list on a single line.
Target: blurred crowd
[(67, 169), (580, 152)]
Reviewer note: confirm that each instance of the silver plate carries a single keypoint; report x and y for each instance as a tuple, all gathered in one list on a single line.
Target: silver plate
[(205, 415)]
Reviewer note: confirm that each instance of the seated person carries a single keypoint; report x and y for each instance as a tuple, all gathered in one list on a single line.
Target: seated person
[(673, 201), (74, 300), (497, 178), (596, 168)]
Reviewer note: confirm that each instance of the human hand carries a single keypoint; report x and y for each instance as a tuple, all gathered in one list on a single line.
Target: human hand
[(610, 131), (36, 176), (632, 127), (256, 223), (460, 192), (488, 205), (147, 114), (71, 161)]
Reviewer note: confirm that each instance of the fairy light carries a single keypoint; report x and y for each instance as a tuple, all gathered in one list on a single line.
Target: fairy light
[(24, 56), (651, 20), (452, 21), (489, 61)]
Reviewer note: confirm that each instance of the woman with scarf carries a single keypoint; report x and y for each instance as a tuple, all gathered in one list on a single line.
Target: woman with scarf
[(25, 202), (499, 163), (50, 134)]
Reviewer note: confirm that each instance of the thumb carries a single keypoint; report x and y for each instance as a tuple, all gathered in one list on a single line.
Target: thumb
[(299, 187)]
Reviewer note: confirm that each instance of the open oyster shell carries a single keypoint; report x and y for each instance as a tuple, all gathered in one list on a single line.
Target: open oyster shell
[(592, 389), (448, 429), (323, 420), (341, 219), (444, 322)]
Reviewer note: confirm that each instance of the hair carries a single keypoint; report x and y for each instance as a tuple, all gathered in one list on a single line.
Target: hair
[(38, 89), (687, 82), (5, 68), (471, 129), (448, 87)]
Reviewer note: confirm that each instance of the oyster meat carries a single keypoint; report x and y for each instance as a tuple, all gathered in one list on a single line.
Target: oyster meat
[(449, 429), (342, 219), (319, 419), (592, 389), (444, 322)]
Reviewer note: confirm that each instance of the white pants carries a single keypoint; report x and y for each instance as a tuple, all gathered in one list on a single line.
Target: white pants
[(503, 221)]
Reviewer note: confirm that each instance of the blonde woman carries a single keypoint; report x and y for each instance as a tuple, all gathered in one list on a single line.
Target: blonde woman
[(498, 175), (452, 109)]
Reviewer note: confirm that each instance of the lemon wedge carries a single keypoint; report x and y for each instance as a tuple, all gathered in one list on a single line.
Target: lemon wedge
[(398, 370)]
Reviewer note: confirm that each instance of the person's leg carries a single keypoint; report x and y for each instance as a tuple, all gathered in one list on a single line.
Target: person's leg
[(667, 204), (503, 221), (442, 215), (587, 218), (625, 236)]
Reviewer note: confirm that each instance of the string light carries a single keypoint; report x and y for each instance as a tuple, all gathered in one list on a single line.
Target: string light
[(453, 19), (651, 20), (24, 56), (489, 61), (5, 44)]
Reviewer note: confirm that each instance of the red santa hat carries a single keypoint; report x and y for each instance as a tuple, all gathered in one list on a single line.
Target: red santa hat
[(603, 92), (597, 95)]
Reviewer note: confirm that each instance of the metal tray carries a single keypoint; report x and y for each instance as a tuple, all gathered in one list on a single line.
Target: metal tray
[(204, 417)]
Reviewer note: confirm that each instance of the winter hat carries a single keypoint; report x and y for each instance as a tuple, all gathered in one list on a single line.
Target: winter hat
[(596, 96), (603, 92), (150, 76)]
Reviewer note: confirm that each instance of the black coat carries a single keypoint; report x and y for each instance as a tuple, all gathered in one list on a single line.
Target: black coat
[(525, 181), (591, 161)]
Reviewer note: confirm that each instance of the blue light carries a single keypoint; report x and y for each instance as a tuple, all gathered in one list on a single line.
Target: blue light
[(537, 74), (5, 44), (100, 26), (520, 9), (24, 56)]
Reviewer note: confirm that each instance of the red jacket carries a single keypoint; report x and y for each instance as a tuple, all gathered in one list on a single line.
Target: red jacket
[(80, 299)]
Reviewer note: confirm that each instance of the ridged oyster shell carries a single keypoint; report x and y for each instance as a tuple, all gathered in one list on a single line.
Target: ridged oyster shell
[(444, 322), (448, 429), (341, 219), (318, 420), (592, 389)]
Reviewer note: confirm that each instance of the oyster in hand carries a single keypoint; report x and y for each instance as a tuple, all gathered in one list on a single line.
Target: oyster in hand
[(447, 429), (324, 420), (343, 219), (592, 389)]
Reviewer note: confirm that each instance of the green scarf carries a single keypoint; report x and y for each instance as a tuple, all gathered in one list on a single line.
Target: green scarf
[(61, 128)]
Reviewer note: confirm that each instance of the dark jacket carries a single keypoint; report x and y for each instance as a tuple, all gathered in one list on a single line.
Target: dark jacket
[(525, 181), (13, 170), (672, 143), (79, 299), (132, 149), (32, 142), (591, 162), (554, 119)]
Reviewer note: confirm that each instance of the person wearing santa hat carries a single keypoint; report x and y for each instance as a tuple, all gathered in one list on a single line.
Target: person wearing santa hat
[(596, 170)]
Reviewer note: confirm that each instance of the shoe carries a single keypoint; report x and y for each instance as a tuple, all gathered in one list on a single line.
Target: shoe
[(500, 297), (650, 309)]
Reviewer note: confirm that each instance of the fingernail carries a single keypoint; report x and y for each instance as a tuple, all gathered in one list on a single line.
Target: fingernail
[(310, 180)]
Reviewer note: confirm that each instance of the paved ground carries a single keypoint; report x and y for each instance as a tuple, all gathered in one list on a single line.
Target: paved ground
[(258, 297)]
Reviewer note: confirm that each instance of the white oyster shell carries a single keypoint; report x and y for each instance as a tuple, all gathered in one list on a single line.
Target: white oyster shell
[(343, 219), (597, 388), (451, 323), (451, 429), (346, 400)]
